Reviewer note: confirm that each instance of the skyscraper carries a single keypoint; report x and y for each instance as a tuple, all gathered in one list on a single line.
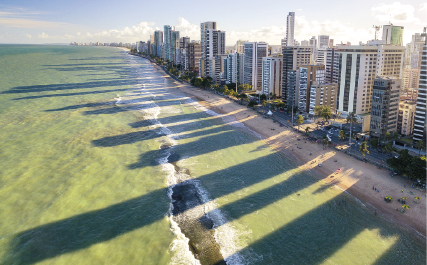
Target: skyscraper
[(212, 43), (174, 45), (393, 35), (254, 52), (167, 38), (290, 26), (158, 42), (421, 114), (272, 75)]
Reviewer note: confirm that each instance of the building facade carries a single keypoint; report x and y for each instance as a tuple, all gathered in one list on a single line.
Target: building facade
[(393, 35), (290, 28), (323, 95), (420, 113), (385, 106), (272, 76), (406, 117)]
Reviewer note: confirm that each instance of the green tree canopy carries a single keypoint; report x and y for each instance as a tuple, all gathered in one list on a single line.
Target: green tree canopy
[(263, 97), (412, 166), (300, 120), (374, 142), (364, 148), (341, 134), (252, 104), (323, 112)]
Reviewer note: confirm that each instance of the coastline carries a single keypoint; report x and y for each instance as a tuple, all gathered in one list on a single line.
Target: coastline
[(355, 177)]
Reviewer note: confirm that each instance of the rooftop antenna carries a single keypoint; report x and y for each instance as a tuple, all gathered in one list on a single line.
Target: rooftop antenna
[(377, 29)]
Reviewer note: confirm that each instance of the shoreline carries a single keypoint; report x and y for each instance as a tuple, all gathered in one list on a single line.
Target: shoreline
[(355, 177)]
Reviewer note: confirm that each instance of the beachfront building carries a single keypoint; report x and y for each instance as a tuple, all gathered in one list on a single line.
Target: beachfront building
[(194, 53), (234, 68), (240, 46), (305, 76), (217, 67), (420, 113), (212, 43), (174, 45), (167, 38), (254, 52), (292, 58), (158, 42), (272, 76), (385, 106), (359, 65), (406, 117), (324, 94)]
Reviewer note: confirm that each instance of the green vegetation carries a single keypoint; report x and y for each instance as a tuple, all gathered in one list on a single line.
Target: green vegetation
[(420, 145), (342, 134), (300, 120), (374, 142), (411, 166), (364, 148), (323, 112), (351, 117), (252, 104), (388, 148), (307, 129)]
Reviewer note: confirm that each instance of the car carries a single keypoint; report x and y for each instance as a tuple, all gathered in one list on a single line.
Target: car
[(396, 156)]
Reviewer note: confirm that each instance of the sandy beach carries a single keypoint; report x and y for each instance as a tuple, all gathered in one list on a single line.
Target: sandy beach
[(356, 177)]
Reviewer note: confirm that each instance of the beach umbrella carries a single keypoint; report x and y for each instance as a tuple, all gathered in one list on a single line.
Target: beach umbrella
[(388, 197), (403, 198), (405, 206), (417, 198)]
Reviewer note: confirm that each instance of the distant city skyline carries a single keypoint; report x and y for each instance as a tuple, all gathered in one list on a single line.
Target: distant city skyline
[(47, 21)]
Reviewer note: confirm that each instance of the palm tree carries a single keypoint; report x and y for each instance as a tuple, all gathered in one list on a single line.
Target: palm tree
[(364, 148), (420, 145), (300, 120), (307, 129)]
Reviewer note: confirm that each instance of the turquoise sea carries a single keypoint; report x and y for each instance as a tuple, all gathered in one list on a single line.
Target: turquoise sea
[(90, 139)]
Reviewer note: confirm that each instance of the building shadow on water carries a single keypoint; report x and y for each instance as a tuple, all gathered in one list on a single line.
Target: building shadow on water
[(82, 231)]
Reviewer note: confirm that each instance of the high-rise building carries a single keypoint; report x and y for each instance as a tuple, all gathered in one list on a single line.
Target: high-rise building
[(323, 41), (313, 44), (272, 76), (385, 106), (240, 46), (393, 35), (322, 56), (420, 113), (359, 65), (167, 38), (406, 117), (234, 68), (323, 95), (217, 67), (290, 27), (174, 45), (254, 52), (332, 66), (292, 58), (212, 43), (158, 42), (306, 75), (194, 53)]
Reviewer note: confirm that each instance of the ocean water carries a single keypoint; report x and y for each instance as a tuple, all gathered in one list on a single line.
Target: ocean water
[(90, 139)]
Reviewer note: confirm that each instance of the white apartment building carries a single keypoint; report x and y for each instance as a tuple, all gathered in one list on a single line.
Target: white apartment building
[(234, 68), (323, 95), (272, 75), (323, 41), (254, 52), (359, 65)]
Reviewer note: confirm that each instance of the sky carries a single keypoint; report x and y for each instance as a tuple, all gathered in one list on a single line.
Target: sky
[(84, 21)]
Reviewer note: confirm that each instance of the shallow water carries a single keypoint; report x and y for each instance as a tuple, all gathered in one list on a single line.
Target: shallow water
[(86, 135)]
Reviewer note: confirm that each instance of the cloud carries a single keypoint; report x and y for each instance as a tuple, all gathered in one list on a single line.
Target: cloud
[(43, 36), (28, 36), (30, 23), (423, 7), (141, 31), (185, 29), (395, 13)]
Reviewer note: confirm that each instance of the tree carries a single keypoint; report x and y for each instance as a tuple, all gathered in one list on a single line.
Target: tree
[(323, 112), (374, 142), (364, 148), (207, 81), (263, 97), (243, 97), (325, 140), (341, 134), (264, 103), (411, 166), (252, 104), (307, 129), (300, 120), (280, 105), (388, 136), (388, 148), (420, 145), (351, 117)]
